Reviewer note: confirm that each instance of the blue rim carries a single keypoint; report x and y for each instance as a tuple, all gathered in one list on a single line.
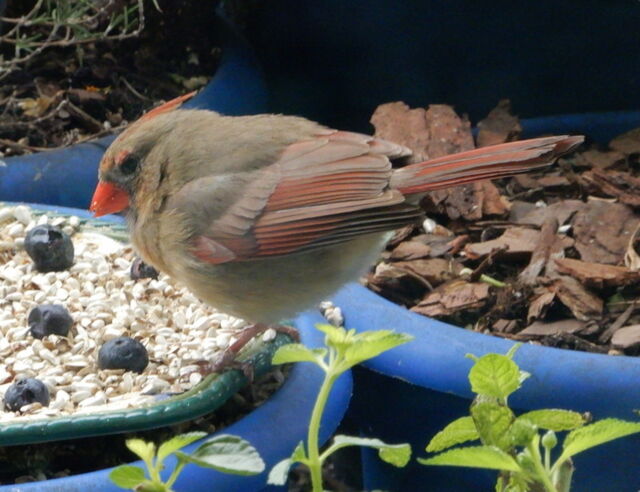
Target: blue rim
[(602, 384)]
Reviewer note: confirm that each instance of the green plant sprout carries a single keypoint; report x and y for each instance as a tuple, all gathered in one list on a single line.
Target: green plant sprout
[(518, 446), (224, 453), (344, 349)]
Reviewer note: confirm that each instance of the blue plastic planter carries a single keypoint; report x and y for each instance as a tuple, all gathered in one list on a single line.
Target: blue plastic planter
[(411, 392), (68, 176)]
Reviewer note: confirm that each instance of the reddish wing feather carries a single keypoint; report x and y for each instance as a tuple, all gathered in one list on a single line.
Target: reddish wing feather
[(484, 163), (325, 191), (336, 187)]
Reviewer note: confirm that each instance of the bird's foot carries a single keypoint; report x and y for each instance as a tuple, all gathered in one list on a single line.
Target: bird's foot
[(227, 359)]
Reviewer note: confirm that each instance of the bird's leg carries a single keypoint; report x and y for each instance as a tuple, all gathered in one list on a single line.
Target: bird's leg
[(227, 359)]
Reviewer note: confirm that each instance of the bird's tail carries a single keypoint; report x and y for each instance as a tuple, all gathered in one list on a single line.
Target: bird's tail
[(490, 162)]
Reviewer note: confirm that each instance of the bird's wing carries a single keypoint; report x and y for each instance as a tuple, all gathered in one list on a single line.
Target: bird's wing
[(321, 191)]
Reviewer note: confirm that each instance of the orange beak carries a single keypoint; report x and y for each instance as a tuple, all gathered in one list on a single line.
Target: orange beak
[(108, 199)]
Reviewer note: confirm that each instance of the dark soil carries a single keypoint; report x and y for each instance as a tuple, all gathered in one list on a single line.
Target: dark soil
[(73, 94)]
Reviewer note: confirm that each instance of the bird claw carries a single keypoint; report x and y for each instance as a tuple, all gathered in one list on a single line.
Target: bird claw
[(227, 359)]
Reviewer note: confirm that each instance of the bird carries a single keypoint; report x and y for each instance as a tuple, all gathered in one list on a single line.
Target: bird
[(265, 216)]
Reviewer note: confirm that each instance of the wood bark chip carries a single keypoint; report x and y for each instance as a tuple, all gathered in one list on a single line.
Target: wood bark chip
[(581, 302), (548, 244), (627, 143), (435, 132), (540, 328), (631, 256), (410, 250), (617, 184), (627, 337), (499, 126), (526, 182), (429, 133), (434, 270), (442, 245), (562, 211), (595, 274), (493, 203), (401, 234), (602, 231), (517, 241), (540, 302), (397, 284), (599, 159), (504, 325), (606, 335), (553, 181), (452, 297)]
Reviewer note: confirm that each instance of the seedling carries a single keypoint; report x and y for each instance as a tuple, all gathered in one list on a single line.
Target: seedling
[(343, 350), (518, 446), (224, 453)]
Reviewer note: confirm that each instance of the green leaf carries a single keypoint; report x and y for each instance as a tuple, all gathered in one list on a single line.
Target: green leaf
[(394, 454), (178, 442), (554, 419), (296, 352), (494, 375), (146, 450), (369, 344), (595, 434), (299, 454), (522, 432), (336, 335), (493, 423), (488, 457), (457, 432), (228, 454), (280, 472), (397, 455), (127, 476)]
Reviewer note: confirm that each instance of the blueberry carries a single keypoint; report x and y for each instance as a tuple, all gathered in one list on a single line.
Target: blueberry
[(50, 248), (48, 319), (25, 391), (123, 353), (139, 269)]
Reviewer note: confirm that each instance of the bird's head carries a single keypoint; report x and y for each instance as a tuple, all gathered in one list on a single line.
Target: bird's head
[(121, 168)]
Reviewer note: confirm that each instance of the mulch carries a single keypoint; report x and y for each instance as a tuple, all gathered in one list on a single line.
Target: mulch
[(549, 257)]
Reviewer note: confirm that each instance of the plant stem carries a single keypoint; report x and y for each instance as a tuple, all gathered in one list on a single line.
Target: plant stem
[(313, 451), (547, 459), (174, 474), (542, 474), (562, 476), (492, 281)]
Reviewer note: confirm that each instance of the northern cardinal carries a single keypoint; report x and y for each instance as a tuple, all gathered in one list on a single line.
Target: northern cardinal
[(265, 216)]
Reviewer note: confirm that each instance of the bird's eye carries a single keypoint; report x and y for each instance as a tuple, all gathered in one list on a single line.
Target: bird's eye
[(129, 165)]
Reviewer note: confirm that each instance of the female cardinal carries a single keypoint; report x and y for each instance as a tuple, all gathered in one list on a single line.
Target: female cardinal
[(265, 216)]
